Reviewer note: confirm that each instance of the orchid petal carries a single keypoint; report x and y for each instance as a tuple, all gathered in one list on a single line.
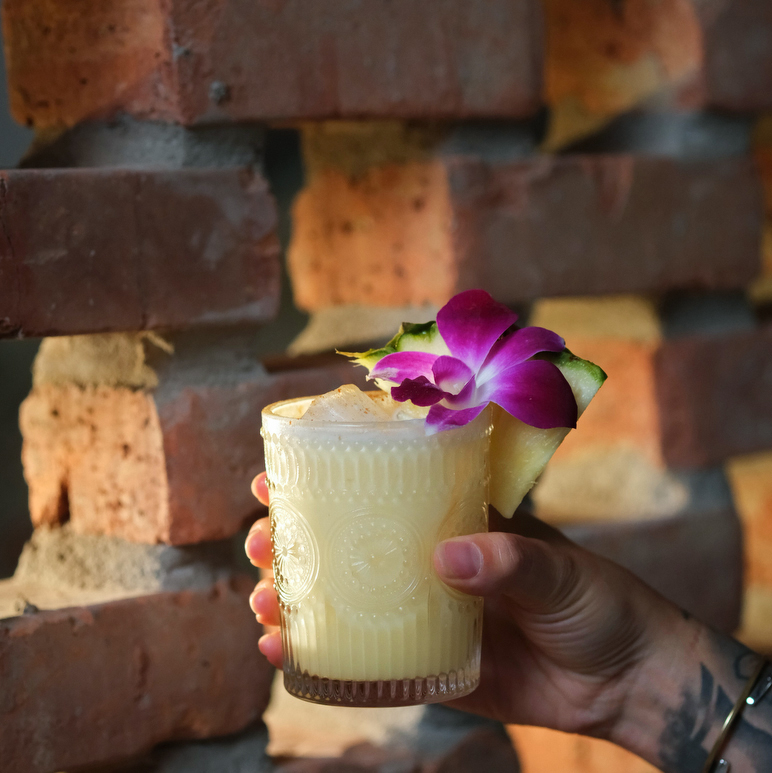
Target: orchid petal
[(470, 323), (420, 391), (466, 398), (451, 374), (536, 392), (517, 347), (441, 418), (398, 366)]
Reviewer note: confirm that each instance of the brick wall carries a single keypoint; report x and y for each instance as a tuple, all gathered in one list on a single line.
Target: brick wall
[(602, 167)]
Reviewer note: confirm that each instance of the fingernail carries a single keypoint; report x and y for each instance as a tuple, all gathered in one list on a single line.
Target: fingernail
[(460, 560), (253, 600), (249, 547)]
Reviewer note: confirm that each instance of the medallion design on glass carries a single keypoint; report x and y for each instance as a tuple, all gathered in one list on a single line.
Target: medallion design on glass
[(295, 553), (376, 561)]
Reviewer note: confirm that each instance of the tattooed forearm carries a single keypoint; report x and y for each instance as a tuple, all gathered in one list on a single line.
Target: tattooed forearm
[(682, 742), (692, 727)]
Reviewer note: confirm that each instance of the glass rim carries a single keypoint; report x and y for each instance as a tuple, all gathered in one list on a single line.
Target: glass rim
[(412, 427)]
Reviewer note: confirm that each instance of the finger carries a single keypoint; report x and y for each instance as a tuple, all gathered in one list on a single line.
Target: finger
[(265, 603), (536, 575), (270, 646), (258, 544), (260, 488)]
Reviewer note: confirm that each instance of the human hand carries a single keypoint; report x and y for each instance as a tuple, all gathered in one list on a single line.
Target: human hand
[(564, 631), (263, 600)]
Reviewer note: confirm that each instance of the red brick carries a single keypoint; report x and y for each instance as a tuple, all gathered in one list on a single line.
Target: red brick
[(714, 397), (738, 54), (694, 558), (171, 464), (99, 683), (412, 233), (241, 60), (84, 251)]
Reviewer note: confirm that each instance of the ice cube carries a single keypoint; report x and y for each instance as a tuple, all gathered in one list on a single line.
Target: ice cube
[(407, 412), (345, 404), (400, 411)]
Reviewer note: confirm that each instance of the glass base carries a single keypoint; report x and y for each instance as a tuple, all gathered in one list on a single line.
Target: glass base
[(381, 693)]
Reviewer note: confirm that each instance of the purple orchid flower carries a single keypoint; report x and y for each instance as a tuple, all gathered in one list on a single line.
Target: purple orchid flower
[(489, 361)]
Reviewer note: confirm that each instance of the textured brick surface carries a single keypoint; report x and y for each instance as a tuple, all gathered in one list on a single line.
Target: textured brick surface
[(94, 684), (738, 54), (82, 58), (603, 59), (406, 234), (714, 397), (241, 60), (694, 559), (87, 250), (172, 464)]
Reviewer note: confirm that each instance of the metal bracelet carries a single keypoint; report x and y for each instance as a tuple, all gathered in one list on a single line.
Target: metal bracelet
[(755, 689)]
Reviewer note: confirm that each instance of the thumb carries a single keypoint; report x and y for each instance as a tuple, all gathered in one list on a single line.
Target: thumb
[(536, 575)]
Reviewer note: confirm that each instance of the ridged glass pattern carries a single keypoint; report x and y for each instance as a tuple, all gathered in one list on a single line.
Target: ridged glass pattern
[(356, 511)]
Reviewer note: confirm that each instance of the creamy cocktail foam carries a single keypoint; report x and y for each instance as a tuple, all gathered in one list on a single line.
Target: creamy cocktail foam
[(360, 497)]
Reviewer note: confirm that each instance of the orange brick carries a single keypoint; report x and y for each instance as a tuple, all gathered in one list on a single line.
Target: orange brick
[(168, 463), (603, 58), (751, 479), (543, 750), (610, 422), (85, 59), (381, 238)]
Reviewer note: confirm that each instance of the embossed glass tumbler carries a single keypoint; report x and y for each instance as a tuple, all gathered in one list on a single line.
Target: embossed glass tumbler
[(356, 512)]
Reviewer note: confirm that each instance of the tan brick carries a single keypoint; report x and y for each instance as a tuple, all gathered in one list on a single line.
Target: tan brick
[(751, 480), (167, 463), (85, 251), (241, 60), (402, 233), (98, 683), (756, 629)]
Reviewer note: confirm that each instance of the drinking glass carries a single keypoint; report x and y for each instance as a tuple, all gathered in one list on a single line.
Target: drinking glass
[(356, 510)]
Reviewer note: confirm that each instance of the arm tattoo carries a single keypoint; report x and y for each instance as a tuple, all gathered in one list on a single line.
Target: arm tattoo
[(683, 745)]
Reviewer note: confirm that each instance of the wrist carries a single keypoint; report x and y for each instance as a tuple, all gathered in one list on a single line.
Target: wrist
[(655, 685)]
